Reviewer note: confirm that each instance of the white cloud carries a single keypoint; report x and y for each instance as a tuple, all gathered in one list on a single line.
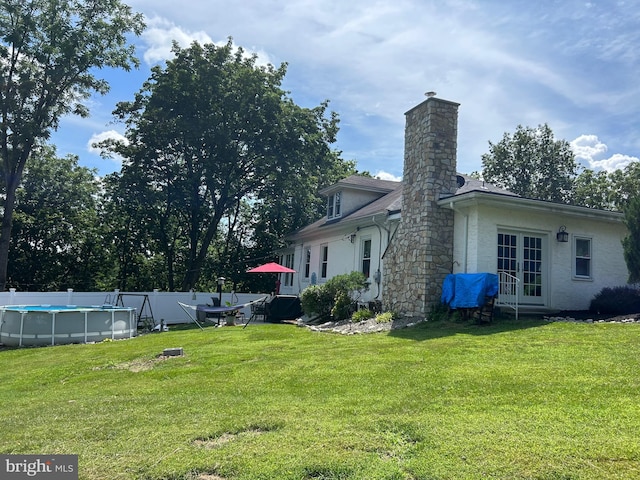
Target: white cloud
[(100, 137), (161, 33), (588, 148), (617, 161), (382, 175)]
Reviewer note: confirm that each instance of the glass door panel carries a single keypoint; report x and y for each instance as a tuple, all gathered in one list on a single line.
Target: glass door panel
[(522, 255)]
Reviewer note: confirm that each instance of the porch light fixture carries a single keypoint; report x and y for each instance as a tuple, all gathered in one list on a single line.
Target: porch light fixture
[(562, 235)]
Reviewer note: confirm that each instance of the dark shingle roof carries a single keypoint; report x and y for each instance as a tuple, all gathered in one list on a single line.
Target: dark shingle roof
[(473, 184), (391, 200), (359, 182)]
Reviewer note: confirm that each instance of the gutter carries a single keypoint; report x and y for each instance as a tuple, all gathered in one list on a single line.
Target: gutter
[(465, 249)]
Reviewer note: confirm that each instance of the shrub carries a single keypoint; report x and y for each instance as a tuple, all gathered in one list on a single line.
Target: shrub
[(312, 300), (439, 311), (362, 315), (335, 298), (617, 300), (386, 317)]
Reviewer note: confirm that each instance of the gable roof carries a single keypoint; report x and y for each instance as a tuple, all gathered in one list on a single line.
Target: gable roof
[(388, 204), (469, 190), (360, 182), (385, 205)]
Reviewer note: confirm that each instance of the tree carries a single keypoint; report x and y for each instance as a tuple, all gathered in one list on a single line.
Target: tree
[(49, 50), (631, 243), (55, 237), (532, 164), (127, 222), (594, 190), (206, 131)]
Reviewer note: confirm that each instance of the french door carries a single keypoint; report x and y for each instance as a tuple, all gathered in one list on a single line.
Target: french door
[(524, 256)]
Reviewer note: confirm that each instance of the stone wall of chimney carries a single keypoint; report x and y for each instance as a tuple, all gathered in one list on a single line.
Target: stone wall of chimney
[(421, 251)]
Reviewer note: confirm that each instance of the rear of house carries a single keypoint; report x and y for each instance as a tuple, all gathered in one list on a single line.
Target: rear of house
[(406, 237)]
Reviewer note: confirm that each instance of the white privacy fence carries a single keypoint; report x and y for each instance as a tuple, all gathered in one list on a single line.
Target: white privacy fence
[(162, 305)]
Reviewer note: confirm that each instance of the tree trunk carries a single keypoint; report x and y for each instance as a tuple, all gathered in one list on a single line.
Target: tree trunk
[(5, 229), (192, 276)]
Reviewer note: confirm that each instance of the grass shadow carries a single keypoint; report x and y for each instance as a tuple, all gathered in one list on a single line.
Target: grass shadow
[(446, 327)]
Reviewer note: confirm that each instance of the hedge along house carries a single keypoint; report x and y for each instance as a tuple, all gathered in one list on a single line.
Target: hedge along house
[(406, 237)]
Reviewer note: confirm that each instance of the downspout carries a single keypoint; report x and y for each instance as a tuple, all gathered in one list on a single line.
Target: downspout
[(299, 272), (466, 239), (378, 274)]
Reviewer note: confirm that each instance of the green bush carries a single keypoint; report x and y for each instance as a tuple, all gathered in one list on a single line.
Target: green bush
[(312, 299), (362, 315), (617, 300), (439, 311), (335, 298), (386, 317)]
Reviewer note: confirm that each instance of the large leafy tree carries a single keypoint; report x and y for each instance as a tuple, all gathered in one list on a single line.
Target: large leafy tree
[(49, 53), (210, 130), (532, 163), (594, 190), (127, 220), (56, 234), (625, 184), (607, 190), (631, 243)]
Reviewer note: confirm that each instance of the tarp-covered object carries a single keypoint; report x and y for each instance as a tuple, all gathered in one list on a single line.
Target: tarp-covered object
[(468, 290)]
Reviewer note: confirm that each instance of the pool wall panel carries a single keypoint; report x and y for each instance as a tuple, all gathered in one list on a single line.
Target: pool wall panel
[(21, 327)]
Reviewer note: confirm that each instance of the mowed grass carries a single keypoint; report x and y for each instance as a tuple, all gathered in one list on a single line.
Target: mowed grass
[(513, 400)]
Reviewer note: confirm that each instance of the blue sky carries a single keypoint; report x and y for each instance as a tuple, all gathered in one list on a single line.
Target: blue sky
[(572, 64)]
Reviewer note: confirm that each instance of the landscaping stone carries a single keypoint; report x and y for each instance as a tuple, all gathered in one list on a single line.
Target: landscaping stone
[(632, 318), (173, 352), (346, 327)]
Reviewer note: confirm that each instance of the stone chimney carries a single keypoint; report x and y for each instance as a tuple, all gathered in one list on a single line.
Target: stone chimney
[(421, 251)]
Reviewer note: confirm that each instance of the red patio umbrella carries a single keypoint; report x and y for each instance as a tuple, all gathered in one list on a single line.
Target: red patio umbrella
[(272, 267)]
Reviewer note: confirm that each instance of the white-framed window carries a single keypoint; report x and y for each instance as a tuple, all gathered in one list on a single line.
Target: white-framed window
[(365, 257), (582, 265), (288, 277), (307, 262), (324, 260), (334, 209)]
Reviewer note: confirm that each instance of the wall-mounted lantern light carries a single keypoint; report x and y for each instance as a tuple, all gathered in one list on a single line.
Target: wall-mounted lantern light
[(562, 235)]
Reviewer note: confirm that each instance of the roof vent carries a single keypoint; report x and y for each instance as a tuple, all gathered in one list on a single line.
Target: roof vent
[(460, 181)]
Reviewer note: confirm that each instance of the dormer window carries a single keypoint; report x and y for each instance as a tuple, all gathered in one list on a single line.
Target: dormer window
[(333, 206)]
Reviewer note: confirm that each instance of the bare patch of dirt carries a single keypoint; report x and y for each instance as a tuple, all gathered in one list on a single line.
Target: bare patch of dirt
[(137, 365), (225, 438)]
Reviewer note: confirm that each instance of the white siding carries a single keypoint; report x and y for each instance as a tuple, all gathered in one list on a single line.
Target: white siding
[(564, 292), (344, 257)]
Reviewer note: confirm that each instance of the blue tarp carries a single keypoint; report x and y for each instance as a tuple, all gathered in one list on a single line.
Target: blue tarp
[(468, 290)]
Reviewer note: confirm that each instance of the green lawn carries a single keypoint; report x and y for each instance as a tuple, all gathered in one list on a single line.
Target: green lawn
[(514, 400)]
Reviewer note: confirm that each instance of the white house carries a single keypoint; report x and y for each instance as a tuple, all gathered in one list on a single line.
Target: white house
[(406, 237), (362, 214)]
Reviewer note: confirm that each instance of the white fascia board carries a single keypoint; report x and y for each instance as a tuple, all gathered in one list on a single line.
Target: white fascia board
[(518, 203)]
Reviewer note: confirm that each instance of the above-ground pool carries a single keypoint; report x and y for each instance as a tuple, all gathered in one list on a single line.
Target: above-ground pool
[(39, 325)]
